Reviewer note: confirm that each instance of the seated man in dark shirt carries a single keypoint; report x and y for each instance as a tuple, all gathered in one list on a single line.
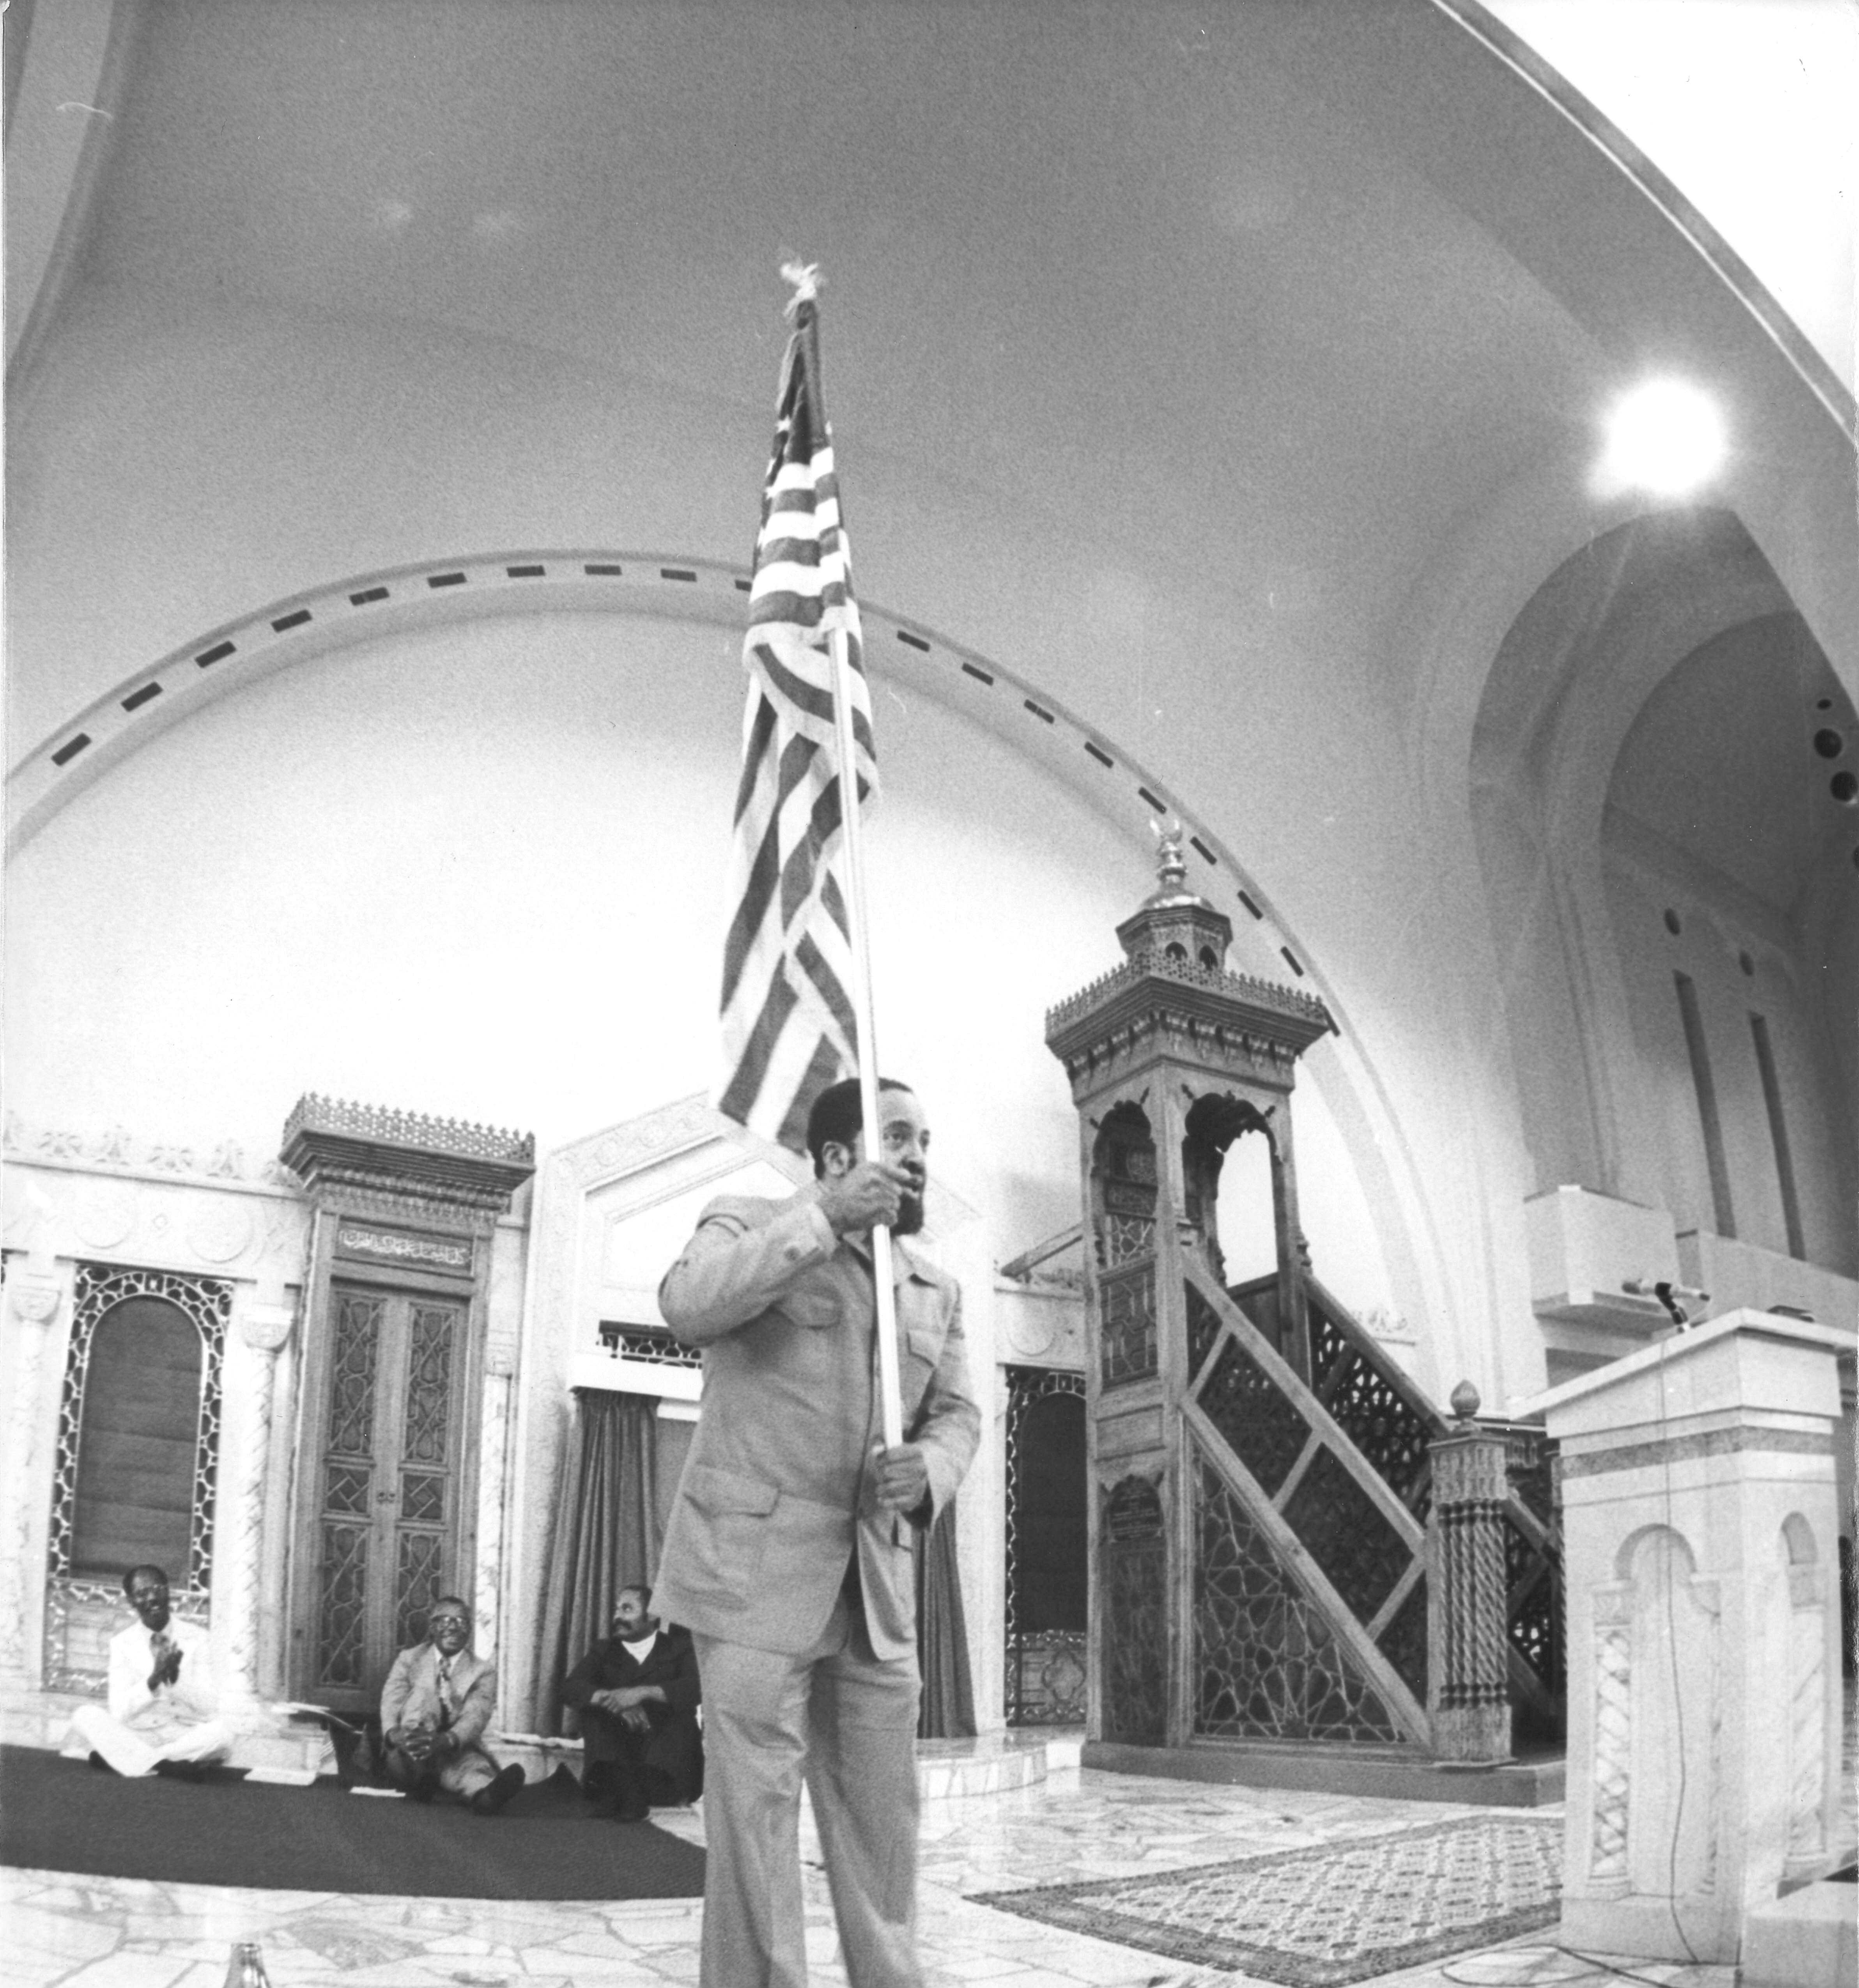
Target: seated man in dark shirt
[(637, 1694)]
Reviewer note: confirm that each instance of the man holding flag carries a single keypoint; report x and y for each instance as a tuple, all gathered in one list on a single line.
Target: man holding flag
[(836, 1416)]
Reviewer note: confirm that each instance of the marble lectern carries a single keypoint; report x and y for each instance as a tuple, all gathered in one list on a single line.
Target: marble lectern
[(1700, 1534)]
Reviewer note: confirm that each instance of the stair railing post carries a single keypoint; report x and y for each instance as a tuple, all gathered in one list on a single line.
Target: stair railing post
[(1468, 1683)]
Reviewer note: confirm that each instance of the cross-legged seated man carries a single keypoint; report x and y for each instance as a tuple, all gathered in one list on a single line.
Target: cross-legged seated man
[(163, 1701), (637, 1694), (435, 1706)]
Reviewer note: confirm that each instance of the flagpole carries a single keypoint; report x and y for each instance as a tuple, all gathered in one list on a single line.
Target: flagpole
[(889, 1392), (889, 1406)]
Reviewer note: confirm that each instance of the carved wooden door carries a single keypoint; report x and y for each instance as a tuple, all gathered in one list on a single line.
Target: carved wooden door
[(390, 1465)]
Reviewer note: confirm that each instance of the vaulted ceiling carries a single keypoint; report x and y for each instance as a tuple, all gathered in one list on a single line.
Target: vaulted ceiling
[(1222, 329)]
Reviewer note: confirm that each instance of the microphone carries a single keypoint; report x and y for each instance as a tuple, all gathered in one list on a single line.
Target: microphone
[(1676, 1298)]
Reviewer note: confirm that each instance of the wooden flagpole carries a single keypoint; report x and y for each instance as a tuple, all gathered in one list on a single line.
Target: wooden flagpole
[(889, 1393)]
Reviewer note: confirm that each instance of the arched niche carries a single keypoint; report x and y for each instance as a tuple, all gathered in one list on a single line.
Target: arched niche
[(134, 1500), (1125, 1191), (135, 1474), (1051, 1516), (1123, 1185), (1810, 1677), (1659, 1718), (1230, 1163), (1047, 1547)]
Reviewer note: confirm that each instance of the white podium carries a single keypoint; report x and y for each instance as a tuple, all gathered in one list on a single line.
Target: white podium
[(1701, 1553)]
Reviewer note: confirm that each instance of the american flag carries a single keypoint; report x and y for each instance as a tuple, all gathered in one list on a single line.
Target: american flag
[(788, 1025)]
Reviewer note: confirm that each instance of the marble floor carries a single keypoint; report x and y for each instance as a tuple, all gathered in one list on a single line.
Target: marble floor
[(86, 1932)]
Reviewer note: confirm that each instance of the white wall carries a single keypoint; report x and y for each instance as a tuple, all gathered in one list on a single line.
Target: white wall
[(478, 871)]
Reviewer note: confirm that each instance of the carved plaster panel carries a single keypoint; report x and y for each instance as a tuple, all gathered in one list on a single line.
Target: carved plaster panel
[(118, 1150), (72, 1209), (35, 1299), (103, 1213), (642, 1142), (1612, 1738), (265, 1328), (1039, 1328), (219, 1231)]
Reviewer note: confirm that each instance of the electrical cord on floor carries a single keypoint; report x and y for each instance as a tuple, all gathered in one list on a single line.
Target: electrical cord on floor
[(1629, 1974), (1532, 1957), (1592, 1968)]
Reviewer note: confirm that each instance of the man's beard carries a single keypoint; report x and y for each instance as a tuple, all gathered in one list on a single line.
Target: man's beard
[(909, 1212)]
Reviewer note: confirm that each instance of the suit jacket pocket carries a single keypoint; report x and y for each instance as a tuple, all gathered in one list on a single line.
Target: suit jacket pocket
[(814, 1310), (718, 1492), (724, 1530), (925, 1340), (922, 1349)]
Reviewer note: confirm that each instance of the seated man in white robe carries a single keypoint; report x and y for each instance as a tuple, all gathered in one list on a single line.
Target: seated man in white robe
[(164, 1702)]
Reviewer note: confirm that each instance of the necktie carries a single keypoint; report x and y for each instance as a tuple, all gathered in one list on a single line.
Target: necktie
[(448, 1704)]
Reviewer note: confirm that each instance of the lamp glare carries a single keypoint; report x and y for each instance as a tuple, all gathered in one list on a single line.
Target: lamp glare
[(1666, 438)]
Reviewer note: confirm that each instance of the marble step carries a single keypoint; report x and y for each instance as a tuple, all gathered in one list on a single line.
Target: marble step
[(947, 1770)]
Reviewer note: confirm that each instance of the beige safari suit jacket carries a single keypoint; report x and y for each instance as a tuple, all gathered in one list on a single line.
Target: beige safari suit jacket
[(775, 1497)]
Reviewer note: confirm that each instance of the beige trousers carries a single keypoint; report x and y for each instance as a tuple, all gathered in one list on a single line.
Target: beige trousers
[(462, 1774), (846, 1720)]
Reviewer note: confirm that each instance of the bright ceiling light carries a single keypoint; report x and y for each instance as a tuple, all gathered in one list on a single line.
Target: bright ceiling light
[(1665, 436)]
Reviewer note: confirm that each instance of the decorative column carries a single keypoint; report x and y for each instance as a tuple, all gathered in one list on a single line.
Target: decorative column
[(1468, 1695), (31, 1304), (260, 1331), (1700, 1534), (493, 1456)]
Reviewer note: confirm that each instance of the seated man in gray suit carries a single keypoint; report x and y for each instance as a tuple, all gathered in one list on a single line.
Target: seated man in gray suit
[(437, 1701)]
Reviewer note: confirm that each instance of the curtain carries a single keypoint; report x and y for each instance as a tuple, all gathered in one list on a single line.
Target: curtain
[(606, 1535), (948, 1709)]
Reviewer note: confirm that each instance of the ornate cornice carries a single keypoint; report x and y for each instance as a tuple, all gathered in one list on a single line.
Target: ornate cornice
[(1154, 1004), (342, 1152)]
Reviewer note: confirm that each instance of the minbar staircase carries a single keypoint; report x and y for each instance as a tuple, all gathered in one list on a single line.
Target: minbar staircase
[(1337, 1586), (1316, 1528)]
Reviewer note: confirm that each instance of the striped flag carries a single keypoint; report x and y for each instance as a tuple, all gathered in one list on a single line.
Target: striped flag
[(788, 1025)]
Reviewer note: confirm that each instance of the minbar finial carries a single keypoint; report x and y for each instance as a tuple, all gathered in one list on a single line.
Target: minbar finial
[(1171, 865), (806, 279)]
